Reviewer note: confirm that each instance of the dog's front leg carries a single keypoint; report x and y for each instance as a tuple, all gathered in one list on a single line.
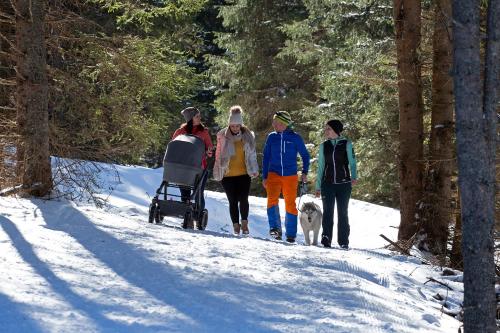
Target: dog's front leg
[(315, 236), (306, 237)]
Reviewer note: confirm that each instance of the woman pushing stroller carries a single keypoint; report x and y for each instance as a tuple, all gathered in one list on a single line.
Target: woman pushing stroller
[(194, 126), (185, 168)]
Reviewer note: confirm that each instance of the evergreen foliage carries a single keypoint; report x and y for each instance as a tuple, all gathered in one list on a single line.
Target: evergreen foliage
[(122, 96), (8, 128), (153, 17), (118, 76), (351, 45), (253, 73)]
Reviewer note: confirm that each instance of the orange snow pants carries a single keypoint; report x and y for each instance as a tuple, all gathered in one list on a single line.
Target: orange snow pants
[(287, 185)]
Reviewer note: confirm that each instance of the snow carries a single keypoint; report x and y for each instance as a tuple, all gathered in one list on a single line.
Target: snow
[(72, 267)]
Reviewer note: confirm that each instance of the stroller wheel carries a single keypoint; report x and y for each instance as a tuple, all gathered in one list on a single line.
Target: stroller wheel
[(157, 215), (154, 212), (188, 221), (202, 221)]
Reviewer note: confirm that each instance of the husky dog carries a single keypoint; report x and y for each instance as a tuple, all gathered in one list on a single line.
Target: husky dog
[(310, 217)]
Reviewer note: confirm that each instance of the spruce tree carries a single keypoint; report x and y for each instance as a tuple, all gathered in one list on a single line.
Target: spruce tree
[(33, 158), (253, 72), (351, 46), (476, 83)]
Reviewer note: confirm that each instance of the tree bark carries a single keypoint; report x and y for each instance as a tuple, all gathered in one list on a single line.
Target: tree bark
[(441, 152), (407, 18), (32, 98), (476, 140)]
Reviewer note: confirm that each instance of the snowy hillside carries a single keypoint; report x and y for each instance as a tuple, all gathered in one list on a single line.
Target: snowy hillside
[(75, 268)]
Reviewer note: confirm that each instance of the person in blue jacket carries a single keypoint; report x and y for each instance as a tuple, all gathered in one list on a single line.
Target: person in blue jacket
[(336, 175), (279, 174)]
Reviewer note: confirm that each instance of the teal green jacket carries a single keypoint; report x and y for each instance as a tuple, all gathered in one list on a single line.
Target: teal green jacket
[(321, 160)]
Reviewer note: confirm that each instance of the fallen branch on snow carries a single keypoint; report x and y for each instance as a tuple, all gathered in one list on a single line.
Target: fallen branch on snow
[(396, 245), (437, 281)]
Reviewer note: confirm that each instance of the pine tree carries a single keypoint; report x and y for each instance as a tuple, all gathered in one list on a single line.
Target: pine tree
[(476, 102), (437, 211), (253, 73), (407, 18), (350, 45), (33, 159), (118, 75), (8, 133)]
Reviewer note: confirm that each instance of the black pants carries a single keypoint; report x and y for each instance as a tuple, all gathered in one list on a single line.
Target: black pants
[(186, 194), (237, 189), (340, 193)]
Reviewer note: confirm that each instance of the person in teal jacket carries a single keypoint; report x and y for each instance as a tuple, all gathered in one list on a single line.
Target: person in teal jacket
[(336, 175)]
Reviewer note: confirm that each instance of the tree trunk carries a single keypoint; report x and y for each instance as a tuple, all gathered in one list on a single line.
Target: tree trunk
[(407, 20), (439, 212), (476, 141), (32, 98)]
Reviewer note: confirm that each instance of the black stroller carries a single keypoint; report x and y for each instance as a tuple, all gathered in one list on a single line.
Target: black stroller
[(182, 170)]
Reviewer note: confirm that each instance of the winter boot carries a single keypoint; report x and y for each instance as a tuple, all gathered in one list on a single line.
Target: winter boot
[(236, 229), (244, 227), (290, 239), (276, 233), (326, 241)]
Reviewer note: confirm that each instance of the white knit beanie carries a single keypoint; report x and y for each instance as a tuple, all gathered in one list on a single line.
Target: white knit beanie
[(235, 115)]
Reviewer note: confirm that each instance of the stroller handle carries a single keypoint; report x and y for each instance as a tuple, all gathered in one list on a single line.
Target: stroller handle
[(210, 150)]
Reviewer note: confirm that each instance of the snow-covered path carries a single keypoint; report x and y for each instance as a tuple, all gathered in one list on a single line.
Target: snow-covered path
[(69, 268)]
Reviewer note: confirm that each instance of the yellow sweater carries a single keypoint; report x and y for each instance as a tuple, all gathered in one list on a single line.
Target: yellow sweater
[(237, 165)]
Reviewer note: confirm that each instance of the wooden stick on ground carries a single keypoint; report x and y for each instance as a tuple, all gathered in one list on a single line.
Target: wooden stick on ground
[(441, 283), (399, 248)]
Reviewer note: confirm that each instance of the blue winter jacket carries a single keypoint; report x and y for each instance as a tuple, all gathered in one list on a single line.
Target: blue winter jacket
[(280, 154)]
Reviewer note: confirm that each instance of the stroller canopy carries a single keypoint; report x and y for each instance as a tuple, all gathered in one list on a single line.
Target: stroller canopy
[(183, 159)]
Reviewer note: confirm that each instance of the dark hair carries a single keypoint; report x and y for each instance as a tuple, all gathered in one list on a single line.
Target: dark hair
[(189, 127)]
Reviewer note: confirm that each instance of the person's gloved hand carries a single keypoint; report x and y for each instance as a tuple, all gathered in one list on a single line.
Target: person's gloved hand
[(304, 178)]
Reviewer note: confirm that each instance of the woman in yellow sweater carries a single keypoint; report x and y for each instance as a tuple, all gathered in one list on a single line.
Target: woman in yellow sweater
[(235, 165)]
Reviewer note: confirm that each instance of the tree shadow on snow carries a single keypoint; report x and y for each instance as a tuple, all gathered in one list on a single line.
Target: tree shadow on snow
[(230, 304), (15, 316), (58, 285)]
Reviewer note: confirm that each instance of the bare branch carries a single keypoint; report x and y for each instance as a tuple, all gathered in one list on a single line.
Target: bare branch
[(8, 17), (5, 82), (441, 283), (396, 245), (11, 43), (10, 190), (15, 8), (6, 54)]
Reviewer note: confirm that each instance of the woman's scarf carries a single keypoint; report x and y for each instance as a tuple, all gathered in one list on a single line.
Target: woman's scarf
[(229, 148)]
